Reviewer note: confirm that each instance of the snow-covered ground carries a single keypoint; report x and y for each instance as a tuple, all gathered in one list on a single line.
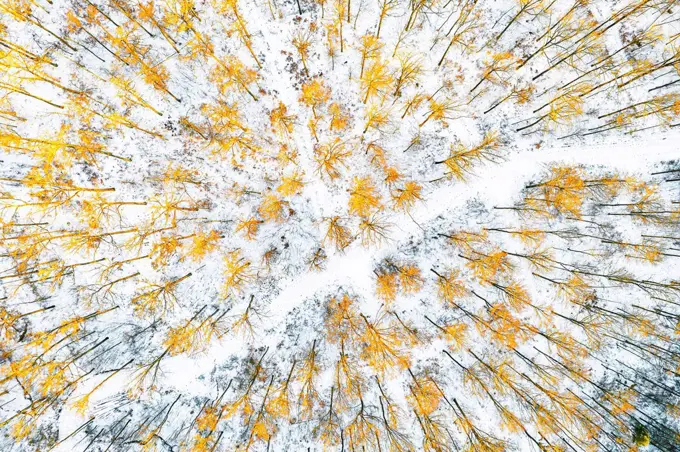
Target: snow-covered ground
[(183, 123)]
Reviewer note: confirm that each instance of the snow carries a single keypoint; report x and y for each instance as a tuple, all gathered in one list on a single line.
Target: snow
[(291, 297)]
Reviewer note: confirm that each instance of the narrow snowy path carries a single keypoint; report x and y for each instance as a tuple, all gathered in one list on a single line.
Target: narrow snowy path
[(497, 185)]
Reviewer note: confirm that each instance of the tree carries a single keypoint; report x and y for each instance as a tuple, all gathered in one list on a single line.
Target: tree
[(641, 436), (191, 337), (386, 286), (532, 7), (272, 208), (306, 377), (349, 382), (243, 324), (339, 117), (464, 28), (155, 299), (291, 185), (338, 234), (315, 94), (382, 348), (376, 79), (301, 41), (329, 428), (449, 286), (203, 243), (409, 72), (377, 118), (455, 334), (330, 157), (386, 6), (237, 272), (282, 122), (406, 197), (462, 158), (363, 197), (232, 74), (496, 69), (370, 50)]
